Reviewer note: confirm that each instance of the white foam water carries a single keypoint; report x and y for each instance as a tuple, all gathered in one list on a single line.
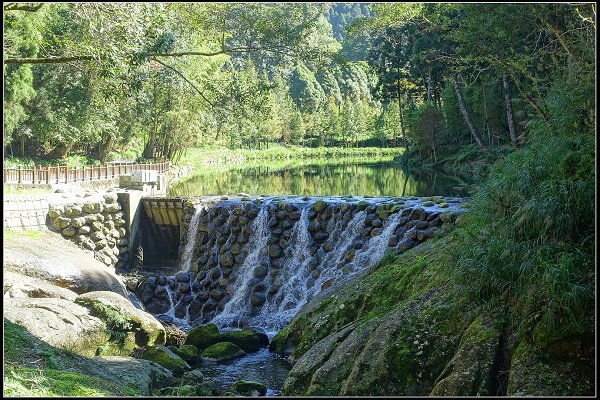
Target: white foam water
[(239, 303), (188, 252)]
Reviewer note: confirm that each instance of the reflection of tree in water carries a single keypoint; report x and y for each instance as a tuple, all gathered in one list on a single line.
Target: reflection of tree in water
[(331, 177)]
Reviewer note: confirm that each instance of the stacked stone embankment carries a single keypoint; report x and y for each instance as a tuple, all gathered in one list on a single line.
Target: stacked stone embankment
[(223, 242), (96, 223)]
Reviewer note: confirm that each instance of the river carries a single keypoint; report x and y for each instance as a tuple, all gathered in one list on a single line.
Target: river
[(319, 177)]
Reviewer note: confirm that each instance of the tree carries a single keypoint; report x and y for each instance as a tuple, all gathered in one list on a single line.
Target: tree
[(297, 130)]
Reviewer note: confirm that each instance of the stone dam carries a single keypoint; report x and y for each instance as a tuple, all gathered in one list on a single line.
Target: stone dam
[(255, 261)]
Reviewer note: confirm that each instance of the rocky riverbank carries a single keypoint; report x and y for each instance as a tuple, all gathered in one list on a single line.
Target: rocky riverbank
[(71, 330), (403, 329)]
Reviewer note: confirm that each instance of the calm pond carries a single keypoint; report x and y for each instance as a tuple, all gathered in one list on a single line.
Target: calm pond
[(342, 176)]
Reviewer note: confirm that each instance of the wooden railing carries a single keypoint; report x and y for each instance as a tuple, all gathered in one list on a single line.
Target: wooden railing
[(64, 174)]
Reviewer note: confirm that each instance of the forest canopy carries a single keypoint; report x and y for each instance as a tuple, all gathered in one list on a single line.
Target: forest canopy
[(156, 78)]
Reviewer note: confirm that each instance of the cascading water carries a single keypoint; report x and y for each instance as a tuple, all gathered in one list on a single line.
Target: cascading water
[(293, 277), (241, 286), (187, 256), (259, 262)]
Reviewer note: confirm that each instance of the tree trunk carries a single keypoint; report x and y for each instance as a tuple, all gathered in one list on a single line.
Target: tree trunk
[(466, 114), (509, 113), (400, 110), (149, 149), (429, 84), (105, 148)]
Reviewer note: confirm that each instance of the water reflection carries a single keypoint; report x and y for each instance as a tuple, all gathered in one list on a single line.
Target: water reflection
[(355, 176)]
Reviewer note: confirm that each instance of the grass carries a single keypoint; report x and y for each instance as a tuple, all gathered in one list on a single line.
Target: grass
[(34, 368), (200, 156), (29, 234), (24, 381), (528, 241)]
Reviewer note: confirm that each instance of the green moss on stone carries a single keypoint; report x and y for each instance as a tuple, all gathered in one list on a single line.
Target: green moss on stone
[(319, 206), (222, 351), (187, 352), (247, 387), (203, 336), (245, 340), (165, 357)]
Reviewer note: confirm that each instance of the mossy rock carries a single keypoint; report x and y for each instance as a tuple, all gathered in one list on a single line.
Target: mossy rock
[(247, 388), (448, 216), (179, 391), (245, 199), (428, 203), (245, 340), (163, 356), (194, 375), (534, 373), (319, 206), (471, 370), (396, 208), (203, 336), (117, 310), (285, 341), (443, 205), (187, 352), (362, 205), (122, 347), (222, 351)]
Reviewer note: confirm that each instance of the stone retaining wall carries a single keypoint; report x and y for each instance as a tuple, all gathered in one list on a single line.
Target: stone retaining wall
[(96, 224), (28, 211)]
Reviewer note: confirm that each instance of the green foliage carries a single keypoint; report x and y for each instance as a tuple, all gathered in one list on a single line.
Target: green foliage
[(33, 368), (529, 236), (117, 325)]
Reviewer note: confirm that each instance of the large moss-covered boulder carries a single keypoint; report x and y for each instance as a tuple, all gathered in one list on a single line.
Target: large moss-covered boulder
[(203, 336), (188, 352), (165, 357), (58, 322), (470, 372), (109, 305), (389, 331), (245, 340), (222, 351), (249, 388)]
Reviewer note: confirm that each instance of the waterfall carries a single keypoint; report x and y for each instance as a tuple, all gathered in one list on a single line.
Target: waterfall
[(260, 262), (294, 274), (377, 245), (258, 244), (188, 252)]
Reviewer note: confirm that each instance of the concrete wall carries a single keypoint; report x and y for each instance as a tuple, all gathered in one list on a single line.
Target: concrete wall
[(29, 211)]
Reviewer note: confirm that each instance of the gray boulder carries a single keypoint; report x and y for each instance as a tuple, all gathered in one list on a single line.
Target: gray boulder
[(58, 322), (52, 258), (149, 330), (21, 286)]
